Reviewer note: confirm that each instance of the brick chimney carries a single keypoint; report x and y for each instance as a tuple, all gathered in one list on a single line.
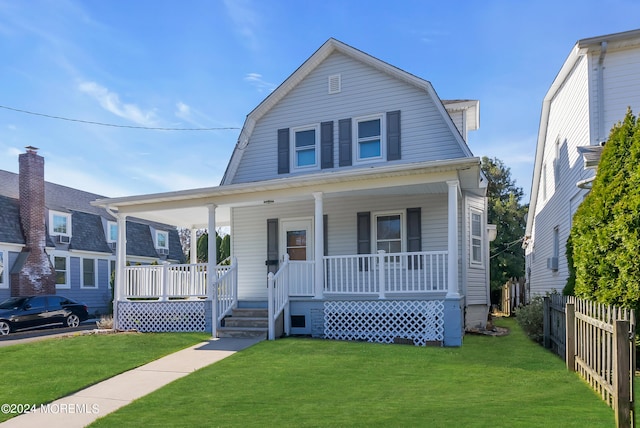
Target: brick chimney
[(36, 274)]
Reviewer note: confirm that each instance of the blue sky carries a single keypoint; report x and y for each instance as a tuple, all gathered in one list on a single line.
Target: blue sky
[(207, 64)]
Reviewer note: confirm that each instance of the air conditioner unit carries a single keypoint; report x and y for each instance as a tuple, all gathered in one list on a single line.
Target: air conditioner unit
[(552, 263), (163, 251), (64, 239), (112, 245)]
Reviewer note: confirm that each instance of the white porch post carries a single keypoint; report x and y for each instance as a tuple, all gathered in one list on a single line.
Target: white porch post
[(319, 245), (212, 277), (121, 263), (193, 250), (452, 278)]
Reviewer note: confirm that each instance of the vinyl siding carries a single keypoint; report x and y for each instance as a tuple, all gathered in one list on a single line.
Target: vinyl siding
[(97, 299), (568, 124), (365, 91), (250, 240), (476, 275)]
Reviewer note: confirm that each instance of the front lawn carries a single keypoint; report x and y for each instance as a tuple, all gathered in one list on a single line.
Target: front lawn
[(489, 382), (40, 372)]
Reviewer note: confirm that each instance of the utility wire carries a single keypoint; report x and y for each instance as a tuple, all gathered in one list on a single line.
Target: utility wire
[(509, 245), (114, 125)]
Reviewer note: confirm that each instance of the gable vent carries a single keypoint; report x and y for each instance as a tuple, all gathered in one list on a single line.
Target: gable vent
[(335, 84)]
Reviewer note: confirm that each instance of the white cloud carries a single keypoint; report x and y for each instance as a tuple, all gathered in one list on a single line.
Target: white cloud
[(110, 101), (256, 80)]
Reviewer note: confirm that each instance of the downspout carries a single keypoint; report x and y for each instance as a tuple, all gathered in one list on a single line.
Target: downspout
[(603, 53)]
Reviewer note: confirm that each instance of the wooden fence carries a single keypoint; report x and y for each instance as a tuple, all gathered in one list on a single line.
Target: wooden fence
[(597, 342), (513, 295)]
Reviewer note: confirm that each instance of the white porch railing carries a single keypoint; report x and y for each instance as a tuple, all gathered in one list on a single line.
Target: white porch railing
[(383, 273), (171, 281), (278, 295)]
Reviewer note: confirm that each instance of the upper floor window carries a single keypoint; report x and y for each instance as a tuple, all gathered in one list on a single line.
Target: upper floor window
[(60, 223), (369, 138), (4, 283), (162, 239), (112, 231), (476, 237), (305, 147)]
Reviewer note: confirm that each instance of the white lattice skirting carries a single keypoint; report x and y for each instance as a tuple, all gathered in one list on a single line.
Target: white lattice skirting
[(385, 320), (156, 317)]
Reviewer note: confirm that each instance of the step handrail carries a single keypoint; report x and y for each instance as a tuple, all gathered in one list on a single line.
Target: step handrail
[(278, 295)]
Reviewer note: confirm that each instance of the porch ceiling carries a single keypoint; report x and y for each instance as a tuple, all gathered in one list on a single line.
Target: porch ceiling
[(189, 209)]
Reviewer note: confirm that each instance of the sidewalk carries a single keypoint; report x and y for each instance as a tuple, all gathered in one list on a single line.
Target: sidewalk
[(87, 405)]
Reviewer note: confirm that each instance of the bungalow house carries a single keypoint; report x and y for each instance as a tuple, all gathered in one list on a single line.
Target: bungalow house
[(356, 210), (52, 240), (598, 81)]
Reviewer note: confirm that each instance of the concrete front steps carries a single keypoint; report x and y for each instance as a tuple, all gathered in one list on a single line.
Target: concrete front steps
[(246, 322)]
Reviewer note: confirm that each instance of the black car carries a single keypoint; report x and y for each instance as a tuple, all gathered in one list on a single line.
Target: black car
[(18, 313)]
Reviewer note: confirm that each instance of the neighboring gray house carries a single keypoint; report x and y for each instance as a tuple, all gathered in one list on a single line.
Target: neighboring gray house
[(598, 81), (55, 230), (352, 183)]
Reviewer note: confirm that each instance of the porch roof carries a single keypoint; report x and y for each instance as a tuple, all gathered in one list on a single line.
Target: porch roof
[(188, 208)]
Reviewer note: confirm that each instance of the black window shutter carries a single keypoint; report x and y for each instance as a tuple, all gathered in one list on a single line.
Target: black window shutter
[(364, 236), (344, 142), (283, 151), (393, 135), (272, 245), (414, 234), (326, 145)]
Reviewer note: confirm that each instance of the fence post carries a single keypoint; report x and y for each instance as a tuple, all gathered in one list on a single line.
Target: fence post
[(570, 342), (621, 376), (546, 321), (165, 282)]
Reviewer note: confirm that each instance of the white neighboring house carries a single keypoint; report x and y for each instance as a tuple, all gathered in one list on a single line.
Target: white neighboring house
[(352, 182), (598, 81)]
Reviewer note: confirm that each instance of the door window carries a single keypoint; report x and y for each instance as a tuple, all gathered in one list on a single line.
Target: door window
[(297, 244)]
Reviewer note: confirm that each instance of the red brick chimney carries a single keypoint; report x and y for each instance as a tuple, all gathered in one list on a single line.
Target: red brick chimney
[(37, 275)]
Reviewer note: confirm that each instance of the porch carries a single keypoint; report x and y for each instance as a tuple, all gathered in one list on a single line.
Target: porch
[(360, 295)]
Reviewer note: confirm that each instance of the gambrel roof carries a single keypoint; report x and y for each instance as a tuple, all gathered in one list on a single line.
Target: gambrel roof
[(330, 46)]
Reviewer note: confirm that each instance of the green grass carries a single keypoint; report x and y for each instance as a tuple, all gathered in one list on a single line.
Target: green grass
[(489, 382), (40, 372)]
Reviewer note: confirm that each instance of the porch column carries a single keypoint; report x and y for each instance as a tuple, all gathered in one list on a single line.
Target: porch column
[(193, 250), (452, 278), (319, 245), (212, 277), (121, 263)]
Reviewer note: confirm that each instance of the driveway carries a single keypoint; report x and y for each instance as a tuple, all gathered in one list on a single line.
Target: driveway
[(44, 333)]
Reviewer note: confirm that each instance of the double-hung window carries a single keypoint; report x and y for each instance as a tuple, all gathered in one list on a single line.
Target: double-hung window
[(305, 147), (112, 231), (476, 237), (162, 240), (59, 223), (89, 273), (61, 265), (369, 133), (388, 232)]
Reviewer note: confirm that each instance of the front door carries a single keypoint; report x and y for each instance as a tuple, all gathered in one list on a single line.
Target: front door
[(296, 239)]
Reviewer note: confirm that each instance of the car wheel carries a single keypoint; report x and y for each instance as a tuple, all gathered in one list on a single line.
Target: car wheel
[(73, 320), (5, 328)]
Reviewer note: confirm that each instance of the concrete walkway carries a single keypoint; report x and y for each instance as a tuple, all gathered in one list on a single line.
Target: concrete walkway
[(87, 405)]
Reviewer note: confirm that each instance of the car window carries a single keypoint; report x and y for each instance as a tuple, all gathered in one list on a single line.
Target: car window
[(12, 303), (55, 302), (37, 302)]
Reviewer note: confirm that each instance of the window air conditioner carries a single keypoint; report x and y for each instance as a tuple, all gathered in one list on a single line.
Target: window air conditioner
[(64, 239), (163, 251), (552, 263)]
